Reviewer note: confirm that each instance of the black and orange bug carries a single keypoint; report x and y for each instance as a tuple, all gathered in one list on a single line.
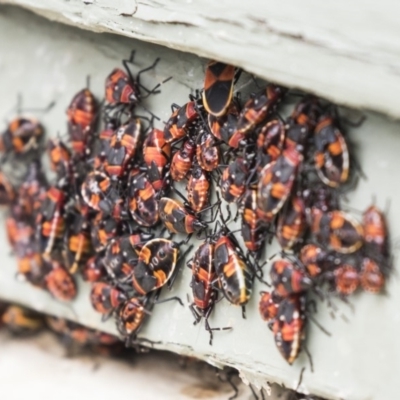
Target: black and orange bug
[(81, 114), (122, 148), (233, 180), (120, 89), (337, 230), (60, 283), (204, 292), (156, 155), (21, 321), (375, 231), (103, 229), (276, 182), (371, 278), (224, 128), (218, 87), (198, 188), (60, 158), (289, 325), (130, 318), (32, 190), (287, 279), (123, 89), (268, 305), (182, 119), (156, 266), (207, 151), (100, 194), (315, 260), (93, 270), (182, 160), (50, 221), (105, 298), (22, 136), (102, 145), (258, 107), (142, 200), (332, 160), (254, 230), (346, 279), (291, 223), (7, 190), (270, 142), (177, 218), (122, 256), (235, 275), (77, 243)]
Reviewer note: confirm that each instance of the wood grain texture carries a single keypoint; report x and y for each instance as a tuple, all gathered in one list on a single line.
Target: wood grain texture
[(347, 51)]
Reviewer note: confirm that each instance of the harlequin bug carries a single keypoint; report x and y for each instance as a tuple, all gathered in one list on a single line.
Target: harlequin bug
[(156, 155), (93, 270), (77, 246), (7, 190), (287, 279), (375, 231), (22, 322), (207, 152), (291, 223), (338, 230), (102, 145), (156, 265), (253, 229), (346, 279), (288, 326), (50, 221), (182, 160), (180, 122), (224, 128), (23, 135), (60, 283), (233, 180), (268, 305), (198, 188), (142, 200), (235, 276), (371, 278), (270, 142), (81, 114), (103, 229), (106, 298), (177, 218), (332, 159), (122, 148), (258, 107), (276, 182)]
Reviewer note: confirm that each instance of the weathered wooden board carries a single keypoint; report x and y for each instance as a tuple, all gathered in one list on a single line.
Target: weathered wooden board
[(47, 61), (347, 51)]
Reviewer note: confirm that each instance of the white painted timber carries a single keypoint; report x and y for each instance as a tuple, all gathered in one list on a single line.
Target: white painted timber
[(346, 50), (359, 361)]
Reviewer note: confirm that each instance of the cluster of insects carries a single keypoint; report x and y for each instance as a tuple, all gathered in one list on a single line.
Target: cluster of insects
[(123, 192)]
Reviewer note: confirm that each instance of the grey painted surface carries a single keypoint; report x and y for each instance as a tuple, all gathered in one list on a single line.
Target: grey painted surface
[(361, 359), (347, 50)]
